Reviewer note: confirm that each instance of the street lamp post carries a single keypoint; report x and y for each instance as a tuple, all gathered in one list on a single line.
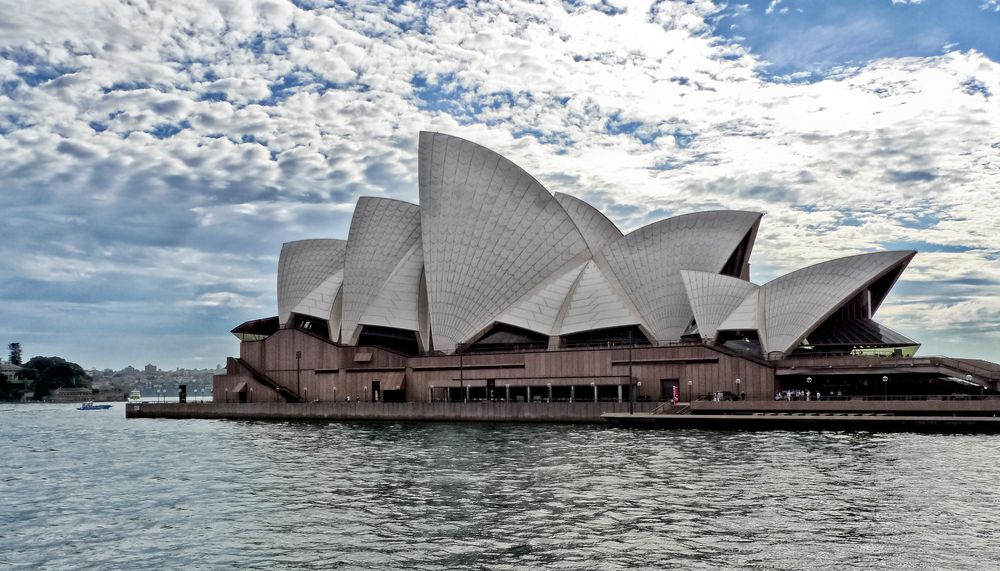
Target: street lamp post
[(738, 394), (809, 381), (690, 394), (633, 388), (885, 388), (298, 372)]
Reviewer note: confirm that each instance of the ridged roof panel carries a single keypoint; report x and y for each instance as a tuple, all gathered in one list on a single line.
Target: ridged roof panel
[(597, 230), (540, 310), (713, 298), (382, 232), (797, 303), (397, 301), (745, 316), (303, 267), (648, 261), (594, 304), (491, 234)]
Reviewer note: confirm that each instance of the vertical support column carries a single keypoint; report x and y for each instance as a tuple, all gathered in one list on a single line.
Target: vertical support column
[(619, 393), (529, 394), (508, 392), (342, 379)]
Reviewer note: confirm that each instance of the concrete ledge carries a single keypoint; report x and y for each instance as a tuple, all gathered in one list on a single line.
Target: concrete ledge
[(846, 422), (562, 412), (931, 407)]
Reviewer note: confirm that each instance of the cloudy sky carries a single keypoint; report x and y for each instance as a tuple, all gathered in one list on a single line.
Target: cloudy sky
[(156, 154)]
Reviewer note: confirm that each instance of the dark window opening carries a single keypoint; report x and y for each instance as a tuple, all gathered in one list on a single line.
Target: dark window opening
[(736, 266), (840, 336), (394, 396), (399, 340), (743, 341), (504, 337), (315, 325), (691, 331), (585, 393), (256, 329), (880, 288), (668, 387), (858, 307), (608, 337)]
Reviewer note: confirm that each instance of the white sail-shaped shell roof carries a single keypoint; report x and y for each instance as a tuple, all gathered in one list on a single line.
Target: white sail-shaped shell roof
[(310, 273), (797, 303), (539, 311), (490, 245), (648, 262), (746, 317), (595, 303), (396, 304), (382, 243), (595, 227), (713, 298), (491, 234)]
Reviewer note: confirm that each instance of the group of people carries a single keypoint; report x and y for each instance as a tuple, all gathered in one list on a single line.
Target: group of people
[(798, 394)]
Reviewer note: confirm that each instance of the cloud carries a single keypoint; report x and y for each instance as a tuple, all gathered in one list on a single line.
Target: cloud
[(158, 157)]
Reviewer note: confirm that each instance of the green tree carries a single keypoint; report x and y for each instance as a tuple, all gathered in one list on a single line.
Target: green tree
[(46, 374), (9, 389), (15, 353)]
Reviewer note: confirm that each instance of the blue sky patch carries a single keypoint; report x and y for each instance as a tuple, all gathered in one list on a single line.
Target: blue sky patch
[(922, 246), (817, 37), (167, 130)]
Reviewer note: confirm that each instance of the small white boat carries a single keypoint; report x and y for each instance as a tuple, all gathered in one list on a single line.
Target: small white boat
[(134, 396)]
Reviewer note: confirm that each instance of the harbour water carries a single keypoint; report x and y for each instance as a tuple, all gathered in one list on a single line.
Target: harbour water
[(92, 490)]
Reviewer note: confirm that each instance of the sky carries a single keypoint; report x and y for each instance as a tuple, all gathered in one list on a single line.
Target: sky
[(155, 155)]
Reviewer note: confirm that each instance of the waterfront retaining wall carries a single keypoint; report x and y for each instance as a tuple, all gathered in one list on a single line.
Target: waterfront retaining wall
[(382, 411), (930, 406)]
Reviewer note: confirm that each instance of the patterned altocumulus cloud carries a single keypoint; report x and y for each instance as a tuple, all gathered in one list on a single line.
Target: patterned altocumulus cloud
[(157, 154)]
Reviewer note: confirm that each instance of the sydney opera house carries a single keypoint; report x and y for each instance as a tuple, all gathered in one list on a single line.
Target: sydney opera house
[(493, 288)]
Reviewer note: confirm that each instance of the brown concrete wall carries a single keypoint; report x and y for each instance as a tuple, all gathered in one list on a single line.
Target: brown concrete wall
[(327, 372), (224, 386), (416, 411)]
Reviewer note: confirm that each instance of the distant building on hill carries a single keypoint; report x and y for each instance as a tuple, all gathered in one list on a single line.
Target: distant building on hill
[(78, 394)]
